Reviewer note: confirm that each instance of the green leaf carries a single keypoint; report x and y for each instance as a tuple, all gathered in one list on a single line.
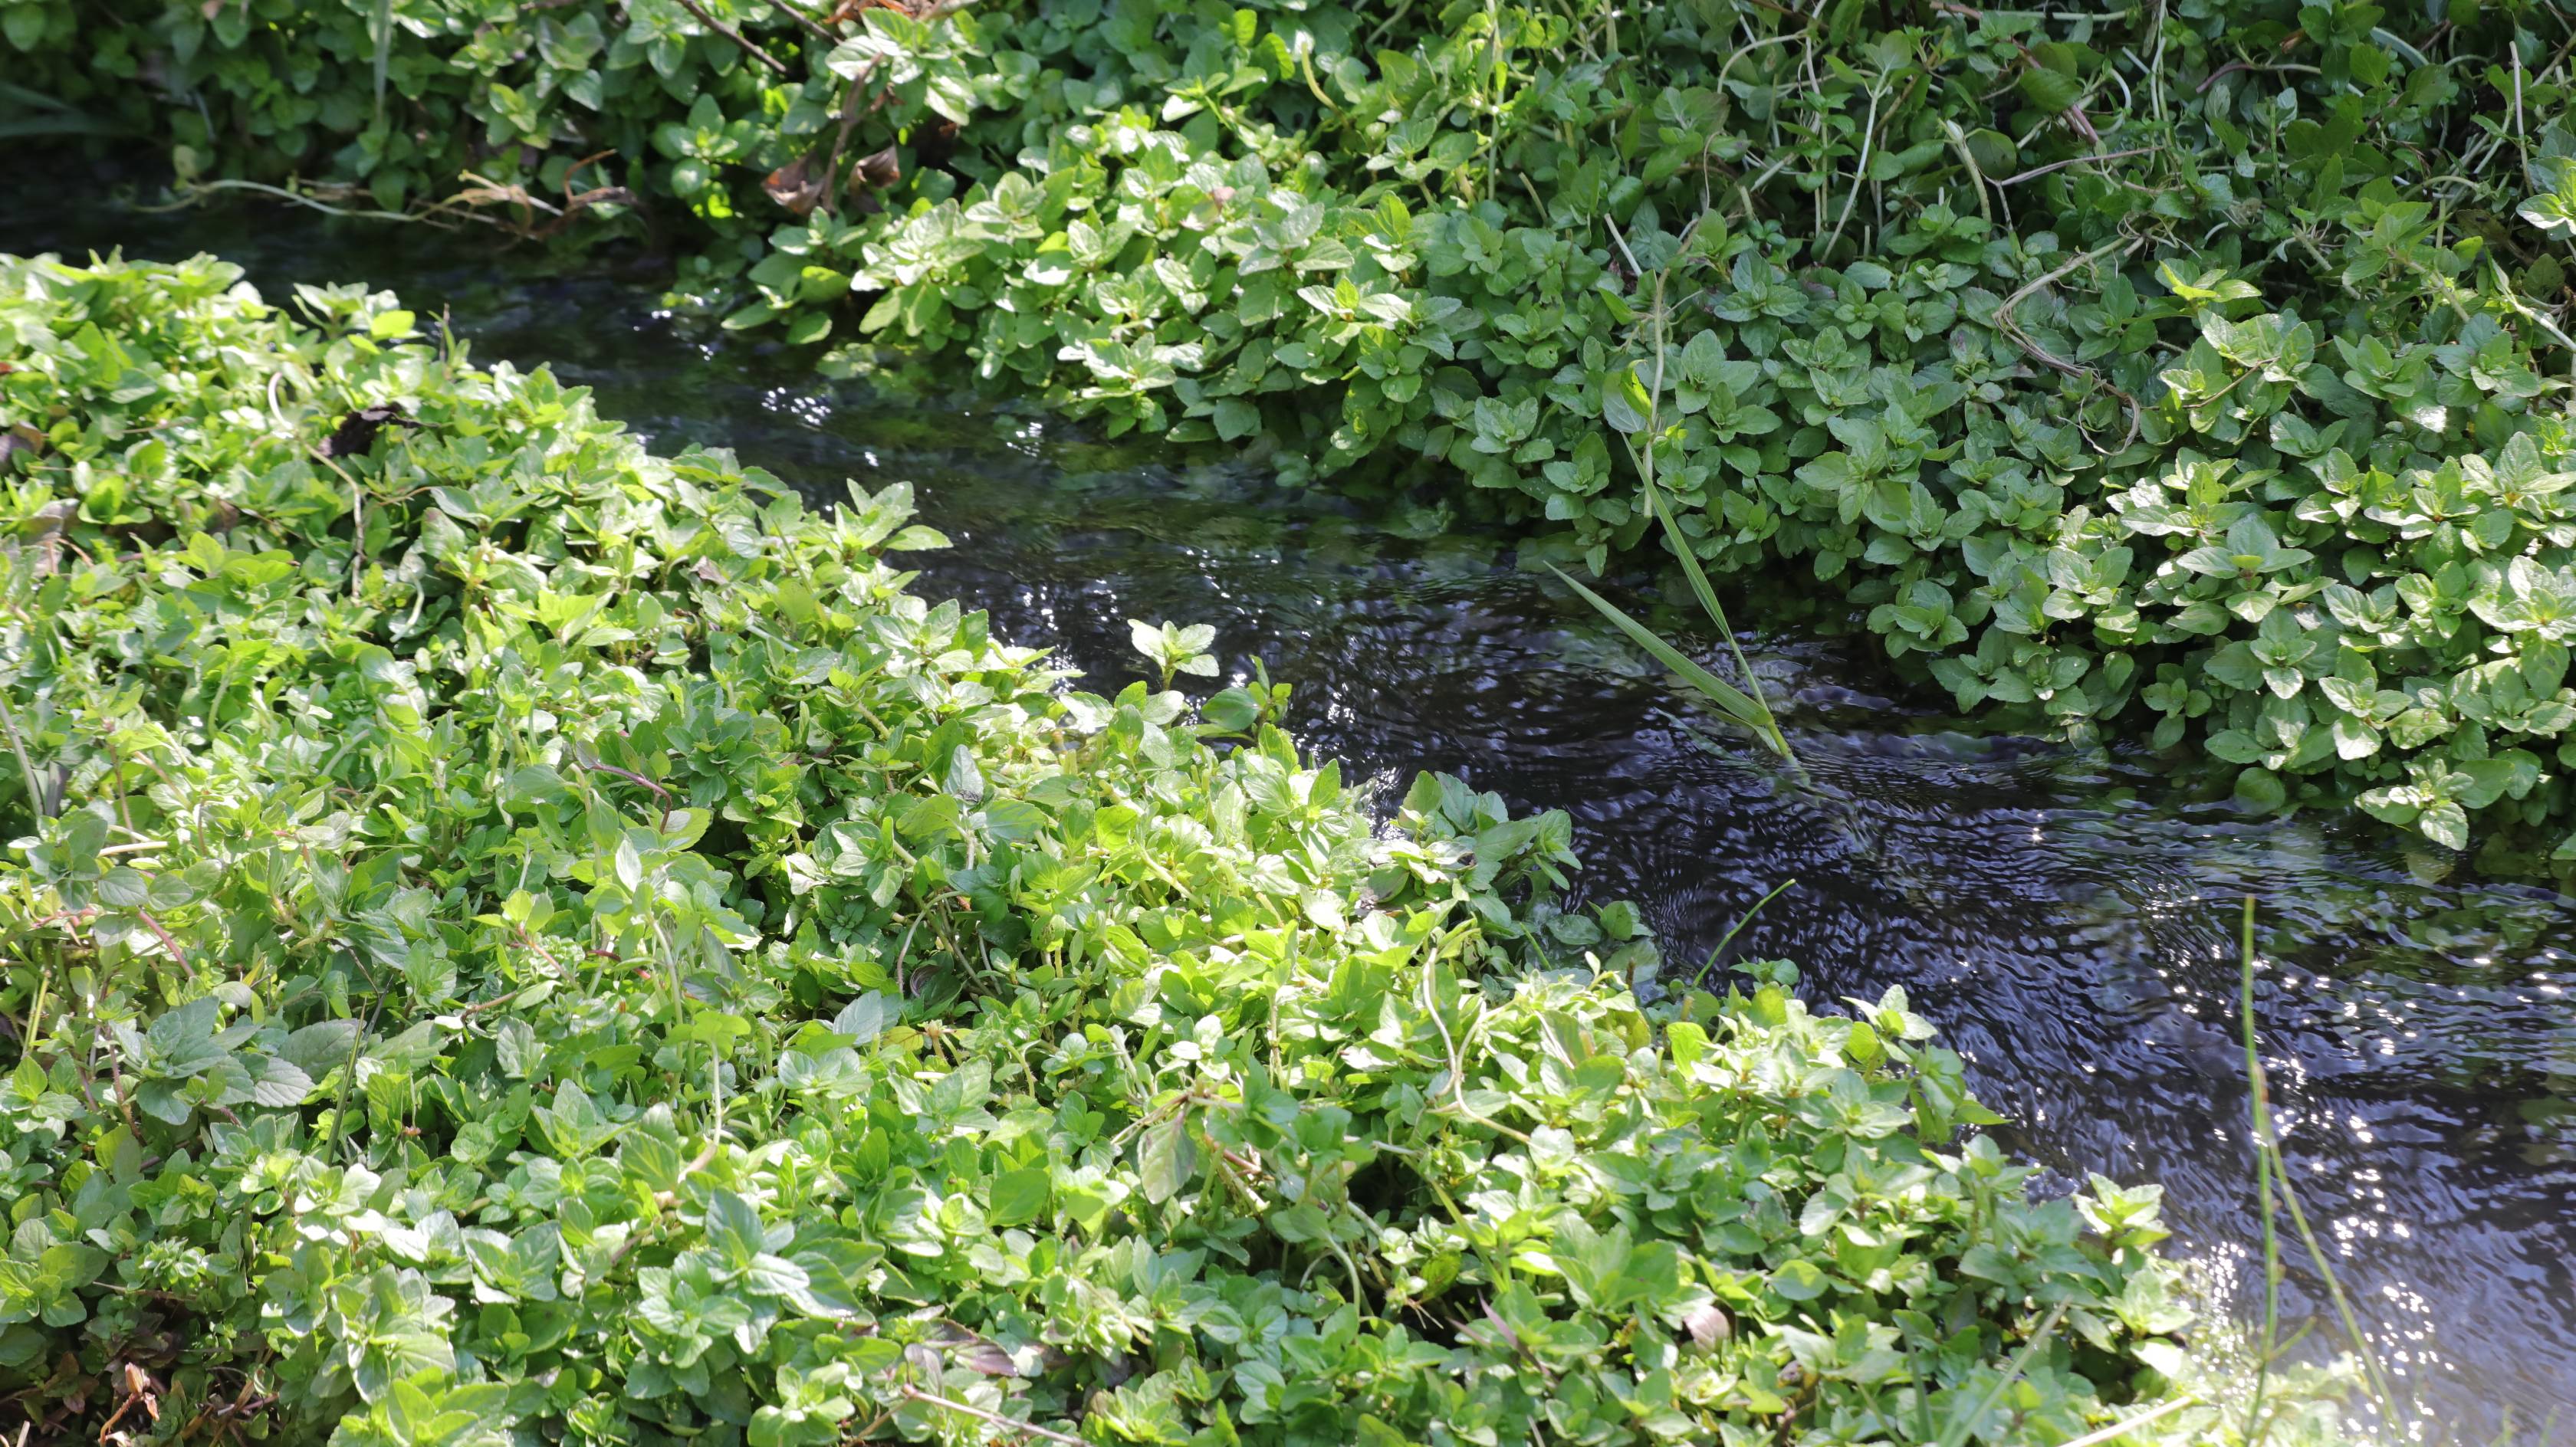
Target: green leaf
[(864, 1018), (1799, 1280), (1728, 699), (1020, 1196), (1625, 404), (733, 1230), (1236, 419), (1166, 1160)]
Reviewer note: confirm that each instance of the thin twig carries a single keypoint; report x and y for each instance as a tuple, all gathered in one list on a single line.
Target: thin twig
[(1976, 174), (996, 1418), (596, 766), (1449, 1044), (830, 204), (1860, 173), (124, 1098), (808, 21), (738, 38), (191, 192), (2123, 1428), (167, 942), (2037, 171), (1633, 267), (2005, 324)]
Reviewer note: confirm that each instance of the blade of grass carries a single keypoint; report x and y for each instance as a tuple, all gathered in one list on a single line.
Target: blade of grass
[(1768, 726), (1740, 922), (2255, 1424), (50, 117), (1708, 600), (2275, 1168), (2374, 1375), (1730, 700), (2120, 1429), (382, 22), (1967, 1426), (58, 126), (11, 91)]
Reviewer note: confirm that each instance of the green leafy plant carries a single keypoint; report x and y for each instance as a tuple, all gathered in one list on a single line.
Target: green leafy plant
[(511, 936), (2070, 352), (1175, 650)]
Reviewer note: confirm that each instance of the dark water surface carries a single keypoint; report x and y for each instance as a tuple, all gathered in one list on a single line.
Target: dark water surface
[(2067, 922)]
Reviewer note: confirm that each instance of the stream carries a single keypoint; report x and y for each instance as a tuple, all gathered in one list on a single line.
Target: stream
[(2068, 920)]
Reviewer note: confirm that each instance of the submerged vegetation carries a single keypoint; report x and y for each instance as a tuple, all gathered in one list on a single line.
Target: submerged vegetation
[(2194, 371), (514, 939)]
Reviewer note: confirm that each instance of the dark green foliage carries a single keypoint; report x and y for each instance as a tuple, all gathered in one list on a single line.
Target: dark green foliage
[(511, 939)]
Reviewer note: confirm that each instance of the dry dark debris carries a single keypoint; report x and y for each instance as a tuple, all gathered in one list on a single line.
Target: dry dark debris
[(357, 431)]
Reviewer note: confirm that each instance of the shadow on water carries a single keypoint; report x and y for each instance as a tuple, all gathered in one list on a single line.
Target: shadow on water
[(2065, 921)]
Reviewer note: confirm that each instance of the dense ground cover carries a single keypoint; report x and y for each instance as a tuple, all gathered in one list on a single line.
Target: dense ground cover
[(511, 938), (2195, 371)]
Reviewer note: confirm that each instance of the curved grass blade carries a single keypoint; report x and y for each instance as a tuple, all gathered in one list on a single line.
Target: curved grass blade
[(1731, 701), (1741, 921), (1708, 600), (24, 112), (2274, 1170), (382, 23), (1757, 713)]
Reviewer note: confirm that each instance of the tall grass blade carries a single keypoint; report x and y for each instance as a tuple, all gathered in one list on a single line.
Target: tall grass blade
[(1716, 614), (43, 115), (2255, 1424), (1739, 707), (1756, 713), (1966, 1427), (72, 125), (2272, 1168), (383, 23), (1741, 921)]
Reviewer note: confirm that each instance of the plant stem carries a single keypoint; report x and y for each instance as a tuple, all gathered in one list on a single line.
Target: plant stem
[(2261, 1126), (1741, 921), (738, 38), (2275, 1168), (996, 1418)]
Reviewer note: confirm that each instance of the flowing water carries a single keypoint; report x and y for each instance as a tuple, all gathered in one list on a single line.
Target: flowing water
[(2068, 919)]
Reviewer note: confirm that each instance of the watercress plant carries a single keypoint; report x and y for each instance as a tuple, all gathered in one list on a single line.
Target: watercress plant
[(2193, 372), (511, 938)]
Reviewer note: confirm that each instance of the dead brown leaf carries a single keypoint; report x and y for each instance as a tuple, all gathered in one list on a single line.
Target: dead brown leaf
[(878, 169), (798, 186)]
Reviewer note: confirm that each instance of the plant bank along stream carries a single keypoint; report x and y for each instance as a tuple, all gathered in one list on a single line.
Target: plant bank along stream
[(2193, 372), (2230, 420), (516, 934)]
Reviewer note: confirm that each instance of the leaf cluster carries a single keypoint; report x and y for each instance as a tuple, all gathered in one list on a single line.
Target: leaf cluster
[(2190, 372), (512, 938)]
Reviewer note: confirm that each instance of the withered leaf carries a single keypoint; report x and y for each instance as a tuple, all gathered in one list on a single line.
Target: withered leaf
[(798, 186), (357, 431), (879, 169)]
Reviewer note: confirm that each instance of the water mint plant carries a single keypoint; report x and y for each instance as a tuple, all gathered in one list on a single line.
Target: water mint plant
[(512, 938), (2069, 352)]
